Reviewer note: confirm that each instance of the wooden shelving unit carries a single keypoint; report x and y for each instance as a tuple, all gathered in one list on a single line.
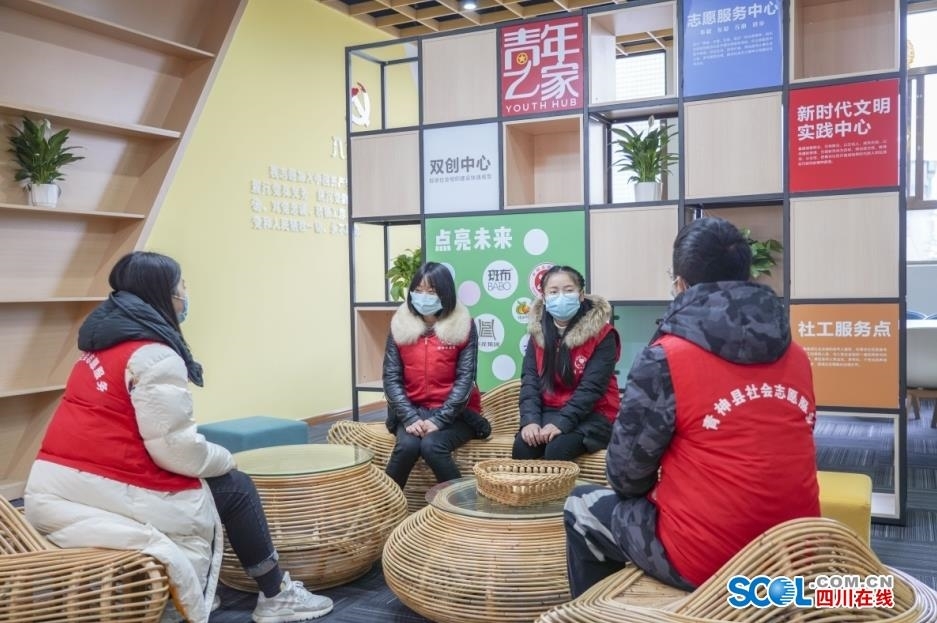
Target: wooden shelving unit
[(54, 212), (737, 139), (833, 38), (106, 28), (89, 123), (372, 325), (543, 162), (128, 79)]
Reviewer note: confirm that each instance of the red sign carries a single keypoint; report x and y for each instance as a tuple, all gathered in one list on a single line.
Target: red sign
[(542, 66), (844, 136)]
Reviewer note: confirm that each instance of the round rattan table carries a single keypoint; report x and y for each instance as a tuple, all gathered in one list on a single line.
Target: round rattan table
[(329, 511), (467, 558)]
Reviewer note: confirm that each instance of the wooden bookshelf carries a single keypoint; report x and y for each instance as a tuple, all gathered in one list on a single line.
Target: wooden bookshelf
[(64, 119), (128, 79), (55, 212), (106, 28)]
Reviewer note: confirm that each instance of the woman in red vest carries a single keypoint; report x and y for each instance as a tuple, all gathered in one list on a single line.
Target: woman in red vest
[(433, 404), (714, 442), (122, 465), (569, 391)]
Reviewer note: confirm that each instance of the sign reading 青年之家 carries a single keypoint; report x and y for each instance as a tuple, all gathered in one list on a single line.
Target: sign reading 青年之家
[(542, 66), (844, 136), (853, 350)]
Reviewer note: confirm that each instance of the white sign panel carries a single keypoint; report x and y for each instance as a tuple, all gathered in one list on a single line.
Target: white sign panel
[(460, 168)]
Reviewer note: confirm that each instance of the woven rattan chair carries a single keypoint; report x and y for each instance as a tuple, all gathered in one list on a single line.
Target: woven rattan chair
[(499, 405), (801, 547), (40, 582)]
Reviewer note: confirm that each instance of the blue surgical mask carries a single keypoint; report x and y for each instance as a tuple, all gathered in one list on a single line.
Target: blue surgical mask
[(181, 316), (562, 306), (425, 304)]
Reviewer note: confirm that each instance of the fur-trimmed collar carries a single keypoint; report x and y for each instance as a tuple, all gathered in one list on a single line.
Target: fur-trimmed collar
[(588, 326), (407, 327)]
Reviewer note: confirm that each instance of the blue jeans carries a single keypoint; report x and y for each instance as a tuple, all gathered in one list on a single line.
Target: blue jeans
[(244, 521)]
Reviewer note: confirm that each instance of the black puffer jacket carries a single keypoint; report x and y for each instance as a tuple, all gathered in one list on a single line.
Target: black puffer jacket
[(579, 411), (456, 328)]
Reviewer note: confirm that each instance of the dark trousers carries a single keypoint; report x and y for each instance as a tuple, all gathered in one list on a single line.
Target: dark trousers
[(595, 548), (244, 521), (563, 447), (435, 448)]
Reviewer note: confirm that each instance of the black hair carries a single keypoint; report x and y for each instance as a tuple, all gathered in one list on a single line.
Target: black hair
[(557, 361), (711, 249), (440, 279), (153, 278)]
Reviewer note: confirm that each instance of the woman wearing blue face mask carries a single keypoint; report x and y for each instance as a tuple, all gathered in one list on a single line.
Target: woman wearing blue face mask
[(569, 393), (433, 404), (122, 465)]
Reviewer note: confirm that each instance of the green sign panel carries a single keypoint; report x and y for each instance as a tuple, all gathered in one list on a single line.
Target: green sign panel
[(497, 261)]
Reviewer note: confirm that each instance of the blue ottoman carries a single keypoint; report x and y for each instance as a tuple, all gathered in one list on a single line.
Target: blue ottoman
[(259, 431)]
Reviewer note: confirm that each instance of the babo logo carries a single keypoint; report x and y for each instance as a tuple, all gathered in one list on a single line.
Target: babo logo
[(500, 279)]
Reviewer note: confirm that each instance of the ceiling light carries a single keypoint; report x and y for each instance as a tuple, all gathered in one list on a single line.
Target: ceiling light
[(469, 5)]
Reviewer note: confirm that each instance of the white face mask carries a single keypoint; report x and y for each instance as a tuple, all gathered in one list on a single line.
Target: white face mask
[(184, 313), (425, 304), (562, 305)]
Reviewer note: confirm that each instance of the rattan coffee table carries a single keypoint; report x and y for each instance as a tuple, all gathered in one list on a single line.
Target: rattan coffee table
[(467, 558), (329, 510)]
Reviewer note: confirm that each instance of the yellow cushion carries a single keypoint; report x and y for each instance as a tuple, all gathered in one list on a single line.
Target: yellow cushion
[(847, 498)]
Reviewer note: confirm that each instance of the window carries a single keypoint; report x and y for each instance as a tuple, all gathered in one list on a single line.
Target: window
[(641, 76), (922, 136)]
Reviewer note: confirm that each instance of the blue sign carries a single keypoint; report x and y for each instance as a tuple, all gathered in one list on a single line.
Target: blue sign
[(731, 45)]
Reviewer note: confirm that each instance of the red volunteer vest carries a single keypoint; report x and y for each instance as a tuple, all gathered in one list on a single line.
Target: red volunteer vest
[(429, 370), (742, 458), (608, 404), (94, 429)]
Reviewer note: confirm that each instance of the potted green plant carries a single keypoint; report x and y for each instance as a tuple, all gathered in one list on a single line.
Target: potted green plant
[(763, 252), (645, 153), (401, 273), (39, 156)]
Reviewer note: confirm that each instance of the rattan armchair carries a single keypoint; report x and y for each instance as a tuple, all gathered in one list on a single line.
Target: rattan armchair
[(40, 582), (801, 547)]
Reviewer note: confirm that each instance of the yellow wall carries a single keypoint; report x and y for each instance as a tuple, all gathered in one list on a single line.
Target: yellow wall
[(269, 309)]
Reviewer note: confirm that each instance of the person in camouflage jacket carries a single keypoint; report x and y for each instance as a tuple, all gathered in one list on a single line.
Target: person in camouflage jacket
[(713, 442)]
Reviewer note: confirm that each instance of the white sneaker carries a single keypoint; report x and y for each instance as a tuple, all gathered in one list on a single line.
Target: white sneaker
[(293, 603)]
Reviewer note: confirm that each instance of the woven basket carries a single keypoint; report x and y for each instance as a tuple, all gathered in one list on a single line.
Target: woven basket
[(522, 483)]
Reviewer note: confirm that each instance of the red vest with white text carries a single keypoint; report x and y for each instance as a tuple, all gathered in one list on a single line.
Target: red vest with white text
[(94, 429), (608, 404), (429, 370), (742, 457)]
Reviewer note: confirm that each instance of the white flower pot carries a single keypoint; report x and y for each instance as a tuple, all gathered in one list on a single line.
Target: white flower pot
[(647, 191), (44, 195)]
